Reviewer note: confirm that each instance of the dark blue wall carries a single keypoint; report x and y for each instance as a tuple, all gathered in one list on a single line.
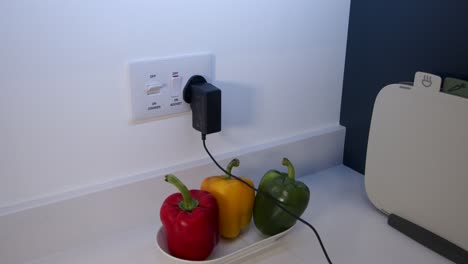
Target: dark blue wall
[(388, 41)]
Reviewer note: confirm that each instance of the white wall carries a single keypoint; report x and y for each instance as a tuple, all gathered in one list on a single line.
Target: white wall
[(64, 107)]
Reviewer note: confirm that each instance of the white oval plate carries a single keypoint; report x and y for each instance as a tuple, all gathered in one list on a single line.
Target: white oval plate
[(227, 251)]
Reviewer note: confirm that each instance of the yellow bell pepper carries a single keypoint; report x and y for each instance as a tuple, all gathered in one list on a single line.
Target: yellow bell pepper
[(235, 201)]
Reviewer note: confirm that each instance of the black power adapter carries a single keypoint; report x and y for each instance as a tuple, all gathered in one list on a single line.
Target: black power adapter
[(205, 100)]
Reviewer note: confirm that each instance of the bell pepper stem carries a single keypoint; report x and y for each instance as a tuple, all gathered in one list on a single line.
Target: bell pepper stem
[(291, 171), (188, 203), (233, 163)]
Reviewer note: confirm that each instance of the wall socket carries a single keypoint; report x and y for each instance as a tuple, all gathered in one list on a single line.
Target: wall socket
[(157, 84)]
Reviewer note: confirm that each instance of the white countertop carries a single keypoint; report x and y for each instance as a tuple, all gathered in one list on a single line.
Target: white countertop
[(351, 228)]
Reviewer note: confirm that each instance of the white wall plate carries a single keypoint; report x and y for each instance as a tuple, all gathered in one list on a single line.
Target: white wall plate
[(157, 84)]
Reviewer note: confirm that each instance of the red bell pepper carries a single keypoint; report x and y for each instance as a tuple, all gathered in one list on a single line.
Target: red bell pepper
[(190, 222)]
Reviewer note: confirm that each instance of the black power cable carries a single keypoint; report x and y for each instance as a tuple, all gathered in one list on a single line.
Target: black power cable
[(275, 201)]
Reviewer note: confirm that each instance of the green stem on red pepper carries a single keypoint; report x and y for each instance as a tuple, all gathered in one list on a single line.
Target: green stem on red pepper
[(188, 203), (233, 163), (291, 171)]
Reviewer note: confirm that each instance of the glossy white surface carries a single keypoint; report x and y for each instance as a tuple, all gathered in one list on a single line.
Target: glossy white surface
[(351, 228)]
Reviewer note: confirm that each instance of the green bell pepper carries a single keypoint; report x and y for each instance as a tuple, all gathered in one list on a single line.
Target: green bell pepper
[(294, 195)]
